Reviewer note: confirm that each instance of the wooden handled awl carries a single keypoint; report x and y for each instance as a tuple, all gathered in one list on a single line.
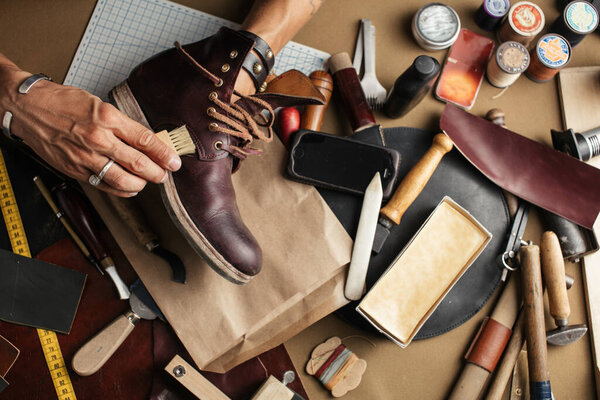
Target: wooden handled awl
[(76, 209), (535, 327), (410, 188), (553, 267), (312, 116)]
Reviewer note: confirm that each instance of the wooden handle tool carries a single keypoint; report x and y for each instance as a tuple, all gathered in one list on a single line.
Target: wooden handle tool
[(77, 211), (312, 116), (553, 267), (535, 327), (489, 344), (416, 179)]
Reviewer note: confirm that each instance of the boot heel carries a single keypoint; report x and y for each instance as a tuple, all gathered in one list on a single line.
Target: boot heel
[(122, 98)]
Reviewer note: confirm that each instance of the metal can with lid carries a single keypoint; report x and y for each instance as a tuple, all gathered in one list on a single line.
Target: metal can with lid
[(435, 26), (511, 59), (490, 13), (549, 56), (577, 20), (523, 22)]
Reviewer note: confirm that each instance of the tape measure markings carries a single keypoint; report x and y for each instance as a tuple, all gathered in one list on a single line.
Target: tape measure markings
[(18, 241)]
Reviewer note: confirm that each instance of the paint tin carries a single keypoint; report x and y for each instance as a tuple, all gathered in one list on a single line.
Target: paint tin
[(435, 26), (490, 14), (578, 19), (549, 56), (511, 59), (523, 22)]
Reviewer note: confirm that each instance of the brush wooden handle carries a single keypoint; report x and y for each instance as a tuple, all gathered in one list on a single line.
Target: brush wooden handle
[(553, 267), (352, 94), (312, 116), (535, 327), (416, 179), (129, 212)]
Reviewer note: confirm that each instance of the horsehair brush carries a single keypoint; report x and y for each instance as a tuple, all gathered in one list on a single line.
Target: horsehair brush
[(178, 139)]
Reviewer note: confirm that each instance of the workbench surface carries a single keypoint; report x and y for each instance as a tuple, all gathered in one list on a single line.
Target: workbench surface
[(42, 36)]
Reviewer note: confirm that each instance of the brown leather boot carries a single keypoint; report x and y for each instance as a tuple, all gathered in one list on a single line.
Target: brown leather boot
[(193, 86)]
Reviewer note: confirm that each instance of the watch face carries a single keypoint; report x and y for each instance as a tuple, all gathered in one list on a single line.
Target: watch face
[(437, 23)]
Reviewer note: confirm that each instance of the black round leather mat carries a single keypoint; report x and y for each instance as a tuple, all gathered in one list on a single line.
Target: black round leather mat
[(454, 177)]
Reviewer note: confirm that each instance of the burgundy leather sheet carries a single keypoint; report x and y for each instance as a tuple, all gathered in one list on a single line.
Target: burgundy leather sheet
[(532, 171)]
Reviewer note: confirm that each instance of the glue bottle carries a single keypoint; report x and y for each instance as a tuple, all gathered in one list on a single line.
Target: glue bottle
[(410, 87)]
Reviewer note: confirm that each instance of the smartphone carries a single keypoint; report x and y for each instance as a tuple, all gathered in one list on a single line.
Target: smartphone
[(340, 163), (464, 69)]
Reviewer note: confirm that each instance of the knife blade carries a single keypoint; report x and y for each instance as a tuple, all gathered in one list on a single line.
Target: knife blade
[(530, 170), (409, 189), (361, 252), (94, 354)]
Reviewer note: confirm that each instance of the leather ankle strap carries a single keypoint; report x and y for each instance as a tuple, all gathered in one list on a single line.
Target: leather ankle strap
[(258, 67)]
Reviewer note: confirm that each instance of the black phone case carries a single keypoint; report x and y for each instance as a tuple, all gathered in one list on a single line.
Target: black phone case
[(334, 167)]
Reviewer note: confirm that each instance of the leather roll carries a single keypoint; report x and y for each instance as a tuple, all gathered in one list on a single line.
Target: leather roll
[(355, 103), (488, 346)]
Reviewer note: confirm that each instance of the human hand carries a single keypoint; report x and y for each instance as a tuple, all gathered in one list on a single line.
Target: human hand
[(77, 133)]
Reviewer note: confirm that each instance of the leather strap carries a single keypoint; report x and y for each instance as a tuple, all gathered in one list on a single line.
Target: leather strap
[(256, 70), (263, 49), (488, 346)]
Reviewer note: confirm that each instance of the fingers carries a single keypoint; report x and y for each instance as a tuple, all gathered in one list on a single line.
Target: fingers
[(136, 163), (144, 140), (117, 178)]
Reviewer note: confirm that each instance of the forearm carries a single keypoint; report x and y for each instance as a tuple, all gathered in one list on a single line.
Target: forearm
[(277, 21)]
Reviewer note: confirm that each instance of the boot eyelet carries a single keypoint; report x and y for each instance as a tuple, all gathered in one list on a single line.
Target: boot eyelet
[(213, 96), (213, 126), (210, 110), (218, 145), (233, 54), (220, 83), (225, 67)]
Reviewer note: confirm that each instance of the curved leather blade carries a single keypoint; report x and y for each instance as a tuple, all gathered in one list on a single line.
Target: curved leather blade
[(537, 173)]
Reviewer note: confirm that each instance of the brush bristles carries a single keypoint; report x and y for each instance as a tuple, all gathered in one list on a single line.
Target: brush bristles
[(179, 139)]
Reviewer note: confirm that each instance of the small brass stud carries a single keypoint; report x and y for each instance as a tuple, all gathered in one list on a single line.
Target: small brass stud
[(218, 144), (220, 83), (233, 54), (225, 67), (213, 96), (257, 68), (210, 110), (263, 87), (269, 54), (213, 126)]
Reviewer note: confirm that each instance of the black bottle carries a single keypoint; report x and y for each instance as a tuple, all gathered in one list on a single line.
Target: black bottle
[(410, 87)]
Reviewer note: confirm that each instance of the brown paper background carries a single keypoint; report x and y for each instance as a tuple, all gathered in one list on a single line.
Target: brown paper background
[(43, 36)]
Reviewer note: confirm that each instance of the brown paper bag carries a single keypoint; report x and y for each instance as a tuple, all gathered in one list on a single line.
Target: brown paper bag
[(305, 253)]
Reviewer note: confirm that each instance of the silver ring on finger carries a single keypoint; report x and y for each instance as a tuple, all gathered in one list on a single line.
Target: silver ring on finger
[(94, 179)]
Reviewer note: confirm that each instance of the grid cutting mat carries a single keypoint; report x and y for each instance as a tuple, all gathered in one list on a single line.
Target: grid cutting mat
[(123, 33)]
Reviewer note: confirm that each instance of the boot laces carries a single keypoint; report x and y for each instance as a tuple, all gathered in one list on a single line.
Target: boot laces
[(239, 123)]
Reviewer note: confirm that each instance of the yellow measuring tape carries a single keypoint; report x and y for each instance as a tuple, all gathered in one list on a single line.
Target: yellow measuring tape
[(18, 241)]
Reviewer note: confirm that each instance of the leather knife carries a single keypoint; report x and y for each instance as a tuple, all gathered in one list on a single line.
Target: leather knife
[(94, 354)]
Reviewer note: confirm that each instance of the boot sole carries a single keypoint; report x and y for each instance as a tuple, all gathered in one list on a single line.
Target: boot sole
[(122, 98)]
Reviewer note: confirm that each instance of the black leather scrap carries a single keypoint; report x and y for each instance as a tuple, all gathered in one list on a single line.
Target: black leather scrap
[(454, 177), (38, 294)]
